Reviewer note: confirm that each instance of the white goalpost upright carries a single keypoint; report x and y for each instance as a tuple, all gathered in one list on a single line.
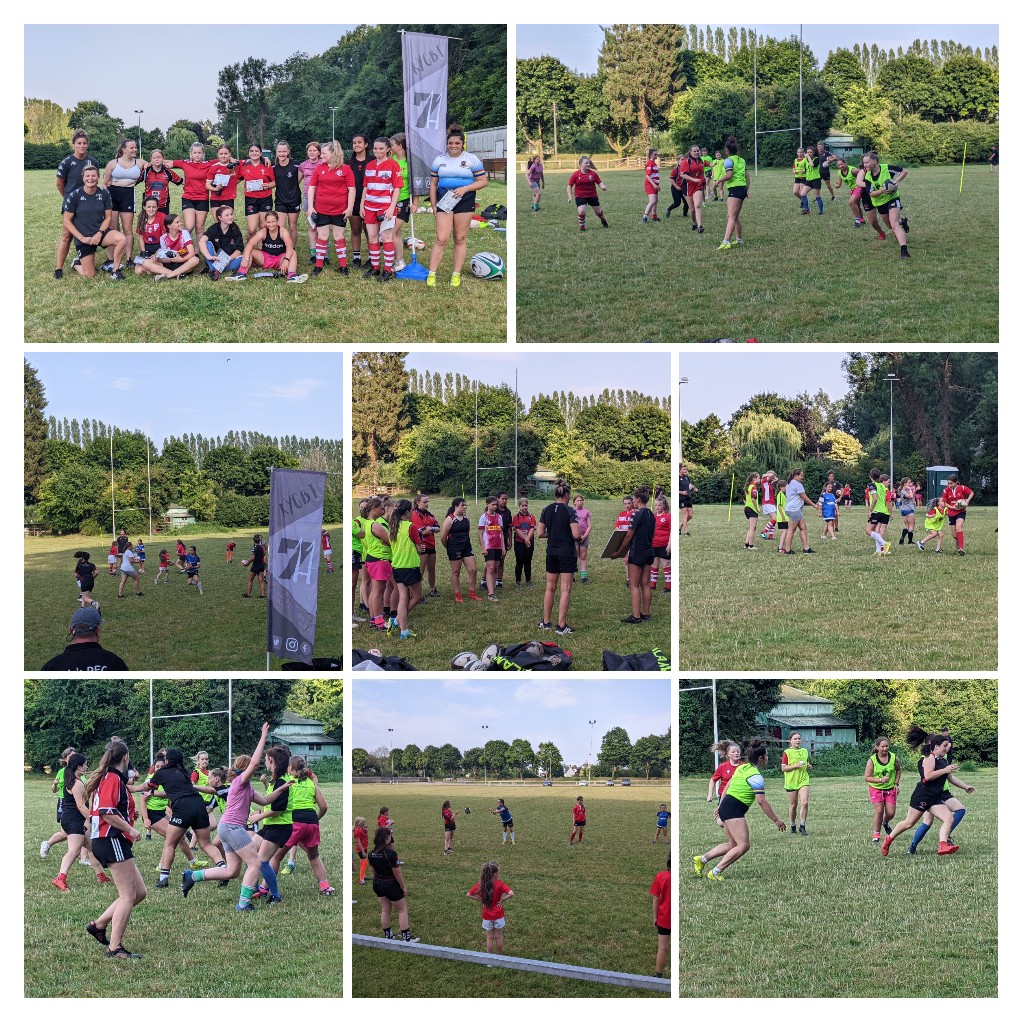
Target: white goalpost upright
[(713, 687), (195, 714)]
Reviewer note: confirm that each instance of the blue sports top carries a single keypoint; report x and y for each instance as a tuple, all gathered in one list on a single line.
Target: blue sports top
[(504, 813), (663, 817), (456, 171)]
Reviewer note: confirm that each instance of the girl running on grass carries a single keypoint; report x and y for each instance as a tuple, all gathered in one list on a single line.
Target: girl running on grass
[(906, 499), (308, 805), (878, 511), (930, 794), (746, 786), (74, 814), (154, 809), (579, 820), (85, 576), (192, 569), (360, 843), (934, 522), (491, 892), (583, 521), (734, 180), (662, 825), (795, 767), (448, 820), (57, 786), (377, 555), (882, 774), (952, 804), (582, 189), (524, 531), (389, 884), (405, 566), (112, 810), (535, 180), (799, 175), (652, 185), (751, 509), (695, 180), (662, 542), (492, 541), (957, 497), (456, 541), (238, 845), (163, 571), (732, 753), (677, 183)]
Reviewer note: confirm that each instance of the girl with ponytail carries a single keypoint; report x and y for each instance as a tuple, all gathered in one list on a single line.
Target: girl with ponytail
[(491, 893)]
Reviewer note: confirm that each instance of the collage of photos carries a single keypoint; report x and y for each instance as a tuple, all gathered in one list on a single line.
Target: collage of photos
[(567, 579)]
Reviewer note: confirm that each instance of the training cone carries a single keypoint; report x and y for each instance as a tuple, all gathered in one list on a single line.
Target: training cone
[(413, 271)]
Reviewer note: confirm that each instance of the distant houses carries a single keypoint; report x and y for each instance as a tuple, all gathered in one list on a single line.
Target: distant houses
[(813, 717)]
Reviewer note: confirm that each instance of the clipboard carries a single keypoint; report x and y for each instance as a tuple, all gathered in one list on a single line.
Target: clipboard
[(613, 543)]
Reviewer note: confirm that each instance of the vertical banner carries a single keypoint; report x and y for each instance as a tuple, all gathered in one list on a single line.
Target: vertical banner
[(293, 562), (425, 81)]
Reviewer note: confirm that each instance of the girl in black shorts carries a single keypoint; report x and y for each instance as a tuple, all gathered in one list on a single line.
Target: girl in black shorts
[(154, 808), (456, 539), (389, 884), (930, 794), (277, 827), (188, 811), (112, 813), (287, 196), (257, 566), (85, 573), (639, 542), (74, 812)]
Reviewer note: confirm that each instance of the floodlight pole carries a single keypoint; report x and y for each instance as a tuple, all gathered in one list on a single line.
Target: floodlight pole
[(590, 756), (149, 498), (485, 754), (392, 753), (113, 515), (801, 87), (755, 106), (140, 113), (515, 457), (892, 379), (333, 110)]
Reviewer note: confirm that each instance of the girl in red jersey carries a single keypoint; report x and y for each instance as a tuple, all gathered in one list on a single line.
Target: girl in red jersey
[(156, 180), (492, 541), (662, 544), (195, 197), (382, 182), (956, 497), (678, 186), (384, 819), (222, 179), (164, 569), (74, 812), (112, 811), (259, 180), (524, 530), (491, 892), (149, 227), (360, 843), (661, 890), (270, 248), (331, 199), (652, 185), (448, 820), (427, 528), (176, 255), (579, 819), (768, 497), (733, 754), (583, 185), (693, 177)]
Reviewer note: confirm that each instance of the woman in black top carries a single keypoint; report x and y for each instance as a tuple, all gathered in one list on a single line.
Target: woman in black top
[(558, 525), (639, 542), (85, 573), (389, 884), (456, 540), (188, 811), (224, 236), (257, 566), (930, 794), (361, 156), (270, 248), (73, 816), (287, 197)]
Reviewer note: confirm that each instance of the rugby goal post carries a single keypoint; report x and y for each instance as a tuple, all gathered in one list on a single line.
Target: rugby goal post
[(515, 963), (195, 714), (713, 687), (779, 131)]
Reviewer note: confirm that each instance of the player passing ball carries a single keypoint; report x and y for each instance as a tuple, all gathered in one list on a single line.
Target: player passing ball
[(508, 828)]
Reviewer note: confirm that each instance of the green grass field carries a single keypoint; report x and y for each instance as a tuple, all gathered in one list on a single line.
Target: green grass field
[(841, 607), (826, 916), (171, 627), (586, 906), (444, 628), (202, 948), (795, 279), (329, 308)]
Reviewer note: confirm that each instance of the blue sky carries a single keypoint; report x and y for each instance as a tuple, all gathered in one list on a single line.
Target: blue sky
[(720, 382), (585, 373), (577, 46), (170, 393), (539, 709), (203, 49)]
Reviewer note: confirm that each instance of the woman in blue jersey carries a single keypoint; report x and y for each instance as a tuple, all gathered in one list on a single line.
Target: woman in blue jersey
[(460, 174)]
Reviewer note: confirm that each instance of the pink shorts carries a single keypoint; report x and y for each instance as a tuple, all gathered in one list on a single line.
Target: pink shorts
[(379, 570), (304, 834), (883, 796), (272, 260)]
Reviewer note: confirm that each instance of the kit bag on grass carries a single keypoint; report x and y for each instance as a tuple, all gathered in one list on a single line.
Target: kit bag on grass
[(532, 656)]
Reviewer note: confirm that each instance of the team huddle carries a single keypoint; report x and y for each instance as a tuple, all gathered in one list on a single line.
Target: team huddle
[(394, 552), (216, 810), (369, 195)]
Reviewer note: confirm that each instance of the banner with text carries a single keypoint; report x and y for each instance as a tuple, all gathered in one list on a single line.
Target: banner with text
[(425, 79), (293, 562)]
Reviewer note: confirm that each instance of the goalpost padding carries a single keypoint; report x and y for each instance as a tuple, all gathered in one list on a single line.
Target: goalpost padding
[(516, 963)]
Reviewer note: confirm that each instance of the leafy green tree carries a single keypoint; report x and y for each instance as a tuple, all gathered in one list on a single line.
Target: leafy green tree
[(545, 415), (842, 447), (542, 82), (84, 109), (61, 454), (35, 433), (176, 459), (564, 453), (641, 72), (864, 702), (447, 760), (472, 759), (970, 88), (766, 441), (616, 750), (652, 754), (197, 495), (179, 143), (495, 757), (226, 467), (911, 85), (68, 498), (46, 121), (647, 433), (696, 67), (778, 63), (601, 428), (360, 761), (520, 756), (436, 457), (410, 759), (707, 443), (843, 70), (245, 87), (379, 383), (321, 700), (549, 758)]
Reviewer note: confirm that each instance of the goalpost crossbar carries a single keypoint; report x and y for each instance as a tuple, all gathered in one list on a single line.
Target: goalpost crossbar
[(516, 963)]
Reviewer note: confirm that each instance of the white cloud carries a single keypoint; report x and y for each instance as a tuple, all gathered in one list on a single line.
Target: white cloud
[(296, 390), (124, 384), (546, 695)]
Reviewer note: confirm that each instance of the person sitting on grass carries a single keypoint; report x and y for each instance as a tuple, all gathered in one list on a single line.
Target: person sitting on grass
[(176, 256), (491, 893)]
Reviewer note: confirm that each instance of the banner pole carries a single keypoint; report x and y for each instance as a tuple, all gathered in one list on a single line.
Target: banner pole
[(962, 166), (731, 488)]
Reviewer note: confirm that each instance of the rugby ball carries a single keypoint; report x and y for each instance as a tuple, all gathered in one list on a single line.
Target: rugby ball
[(889, 185), (490, 652), (487, 266), (463, 660), (413, 242), (478, 666), (962, 503), (467, 810)]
